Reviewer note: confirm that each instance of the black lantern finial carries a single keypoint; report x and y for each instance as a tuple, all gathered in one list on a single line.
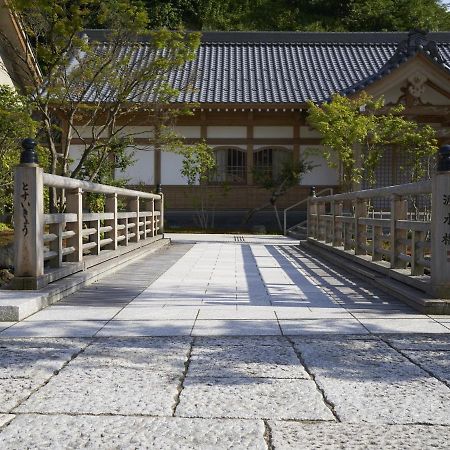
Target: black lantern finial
[(443, 163), (312, 191), (29, 155), (158, 189)]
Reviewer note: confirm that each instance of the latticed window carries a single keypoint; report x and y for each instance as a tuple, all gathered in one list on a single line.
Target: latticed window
[(268, 162), (393, 169), (231, 166)]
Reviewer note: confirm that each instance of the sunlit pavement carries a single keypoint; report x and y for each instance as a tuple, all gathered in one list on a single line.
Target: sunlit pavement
[(225, 341)]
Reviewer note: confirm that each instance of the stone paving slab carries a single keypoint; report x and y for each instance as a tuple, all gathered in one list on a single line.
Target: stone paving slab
[(331, 436), (387, 314), (250, 313), (436, 362), (321, 326), (251, 398), (63, 312), (141, 312), (26, 364), (367, 381), (55, 328), (147, 354), (436, 342), (5, 325), (15, 390), (296, 312), (250, 341), (147, 328), (244, 361), (236, 328), (409, 325), (106, 432), (5, 419), (106, 390)]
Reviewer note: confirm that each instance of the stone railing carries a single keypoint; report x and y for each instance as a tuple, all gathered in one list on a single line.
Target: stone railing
[(51, 246), (416, 248)]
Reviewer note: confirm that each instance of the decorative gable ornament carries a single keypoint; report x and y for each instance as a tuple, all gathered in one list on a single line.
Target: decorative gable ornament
[(416, 84)]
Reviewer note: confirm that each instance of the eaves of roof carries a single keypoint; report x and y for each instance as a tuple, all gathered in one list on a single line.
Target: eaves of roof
[(284, 69)]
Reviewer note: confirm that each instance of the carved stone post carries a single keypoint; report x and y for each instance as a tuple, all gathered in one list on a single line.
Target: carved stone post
[(74, 204), (133, 206), (160, 207), (440, 226), (111, 208), (311, 214), (399, 211), (360, 228), (28, 219)]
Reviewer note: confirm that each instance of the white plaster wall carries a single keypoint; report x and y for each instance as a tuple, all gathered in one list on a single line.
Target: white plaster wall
[(142, 171), (188, 131), (226, 132), (171, 164), (86, 132), (309, 132), (75, 155), (433, 97), (133, 131), (4, 75), (273, 132), (137, 132), (320, 175)]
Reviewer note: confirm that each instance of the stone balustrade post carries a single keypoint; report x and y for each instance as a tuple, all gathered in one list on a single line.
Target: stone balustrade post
[(440, 226), (360, 229), (311, 212), (74, 204), (133, 206), (111, 207), (28, 218), (160, 208), (399, 211)]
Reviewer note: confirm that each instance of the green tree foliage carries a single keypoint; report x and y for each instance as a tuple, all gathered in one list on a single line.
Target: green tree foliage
[(15, 124), (289, 176), (73, 66), (300, 15), (356, 131), (198, 164)]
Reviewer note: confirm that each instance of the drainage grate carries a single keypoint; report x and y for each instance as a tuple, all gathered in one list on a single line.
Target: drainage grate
[(239, 239)]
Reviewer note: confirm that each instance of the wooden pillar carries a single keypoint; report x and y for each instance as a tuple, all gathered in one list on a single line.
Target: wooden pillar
[(250, 148), (296, 136)]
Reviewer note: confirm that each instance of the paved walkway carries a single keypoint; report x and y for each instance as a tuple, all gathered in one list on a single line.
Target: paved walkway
[(226, 342)]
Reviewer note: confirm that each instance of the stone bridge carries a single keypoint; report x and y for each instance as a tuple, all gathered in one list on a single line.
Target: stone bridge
[(227, 342)]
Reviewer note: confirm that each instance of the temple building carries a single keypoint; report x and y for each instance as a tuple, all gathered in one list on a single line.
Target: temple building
[(251, 91)]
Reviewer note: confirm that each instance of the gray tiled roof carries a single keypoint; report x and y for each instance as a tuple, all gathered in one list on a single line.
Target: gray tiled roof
[(290, 68)]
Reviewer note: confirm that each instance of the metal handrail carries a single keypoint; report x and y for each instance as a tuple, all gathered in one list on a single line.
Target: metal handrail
[(297, 204)]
